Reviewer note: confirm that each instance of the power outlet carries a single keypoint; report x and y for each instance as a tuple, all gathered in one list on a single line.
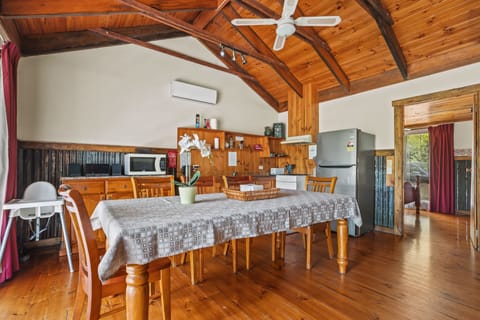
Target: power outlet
[(260, 167)]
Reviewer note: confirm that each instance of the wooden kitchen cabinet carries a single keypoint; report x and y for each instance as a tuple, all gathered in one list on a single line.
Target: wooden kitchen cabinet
[(93, 190)]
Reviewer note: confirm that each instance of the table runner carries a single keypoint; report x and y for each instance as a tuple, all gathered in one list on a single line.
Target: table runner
[(142, 230)]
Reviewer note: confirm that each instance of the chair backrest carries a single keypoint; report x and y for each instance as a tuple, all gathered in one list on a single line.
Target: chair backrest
[(234, 182), (266, 182), (87, 245), (204, 184), (148, 187), (40, 190), (320, 184)]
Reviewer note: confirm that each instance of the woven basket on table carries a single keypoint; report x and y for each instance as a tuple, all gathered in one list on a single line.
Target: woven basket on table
[(251, 195)]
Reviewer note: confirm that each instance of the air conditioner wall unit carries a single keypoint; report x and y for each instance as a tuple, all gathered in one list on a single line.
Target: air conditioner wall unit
[(189, 91)]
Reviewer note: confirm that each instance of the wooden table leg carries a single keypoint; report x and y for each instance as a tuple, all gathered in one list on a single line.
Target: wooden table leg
[(274, 247), (248, 241), (283, 238), (234, 255), (137, 292), (342, 239), (309, 247), (196, 266), (278, 249)]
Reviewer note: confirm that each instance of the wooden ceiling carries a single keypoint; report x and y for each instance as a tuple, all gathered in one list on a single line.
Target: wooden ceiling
[(378, 42)]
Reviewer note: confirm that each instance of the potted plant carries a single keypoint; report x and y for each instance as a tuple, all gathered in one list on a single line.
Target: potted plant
[(187, 189)]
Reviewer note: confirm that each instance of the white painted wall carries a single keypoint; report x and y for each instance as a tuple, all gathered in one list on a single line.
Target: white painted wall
[(120, 96), (463, 135), (372, 111)]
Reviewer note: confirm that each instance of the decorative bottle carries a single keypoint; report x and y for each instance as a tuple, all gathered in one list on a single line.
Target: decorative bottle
[(197, 121)]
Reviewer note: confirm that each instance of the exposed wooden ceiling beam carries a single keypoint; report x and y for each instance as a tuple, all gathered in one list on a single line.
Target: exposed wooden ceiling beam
[(309, 36), (9, 30), (205, 17), (26, 8), (254, 85), (251, 37), (79, 40), (181, 25), (124, 38), (385, 23)]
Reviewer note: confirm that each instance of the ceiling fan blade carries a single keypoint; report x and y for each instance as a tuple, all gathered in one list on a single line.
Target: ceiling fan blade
[(289, 7), (253, 22), (279, 43), (320, 21)]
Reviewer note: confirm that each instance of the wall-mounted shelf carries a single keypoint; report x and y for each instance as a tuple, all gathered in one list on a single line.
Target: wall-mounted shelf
[(249, 160)]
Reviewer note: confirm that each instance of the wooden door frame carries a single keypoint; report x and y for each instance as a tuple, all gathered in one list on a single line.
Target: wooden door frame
[(399, 113)]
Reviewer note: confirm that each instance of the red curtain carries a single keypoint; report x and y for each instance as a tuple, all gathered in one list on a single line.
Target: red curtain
[(10, 57), (442, 166)]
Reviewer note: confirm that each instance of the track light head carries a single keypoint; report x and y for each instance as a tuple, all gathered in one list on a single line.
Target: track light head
[(242, 56), (222, 51), (233, 55)]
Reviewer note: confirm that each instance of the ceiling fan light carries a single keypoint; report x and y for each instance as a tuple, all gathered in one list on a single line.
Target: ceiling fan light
[(285, 29)]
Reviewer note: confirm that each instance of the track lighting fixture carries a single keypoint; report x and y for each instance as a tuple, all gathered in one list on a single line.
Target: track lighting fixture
[(234, 57), (242, 56), (222, 51)]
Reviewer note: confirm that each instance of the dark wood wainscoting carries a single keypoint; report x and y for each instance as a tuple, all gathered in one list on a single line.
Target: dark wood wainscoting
[(40, 161)]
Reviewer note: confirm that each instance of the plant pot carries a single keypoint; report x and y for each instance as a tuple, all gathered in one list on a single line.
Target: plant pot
[(187, 194)]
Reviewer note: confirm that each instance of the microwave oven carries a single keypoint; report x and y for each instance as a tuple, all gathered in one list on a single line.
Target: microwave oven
[(145, 164)]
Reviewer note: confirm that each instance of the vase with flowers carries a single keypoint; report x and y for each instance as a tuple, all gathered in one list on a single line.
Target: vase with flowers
[(187, 189)]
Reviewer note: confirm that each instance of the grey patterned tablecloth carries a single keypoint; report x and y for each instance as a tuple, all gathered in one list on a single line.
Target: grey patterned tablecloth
[(141, 230)]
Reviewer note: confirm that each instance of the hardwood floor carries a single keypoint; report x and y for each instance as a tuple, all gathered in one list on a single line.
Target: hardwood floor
[(431, 273)]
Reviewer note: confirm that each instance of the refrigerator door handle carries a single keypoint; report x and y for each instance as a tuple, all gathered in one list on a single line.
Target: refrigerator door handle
[(337, 166)]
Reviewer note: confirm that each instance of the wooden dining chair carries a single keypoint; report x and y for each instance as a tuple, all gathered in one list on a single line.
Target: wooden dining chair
[(234, 182), (148, 187), (204, 184), (89, 286), (317, 184), (268, 182)]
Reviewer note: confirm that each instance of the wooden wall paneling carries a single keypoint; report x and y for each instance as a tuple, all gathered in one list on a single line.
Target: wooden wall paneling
[(302, 120), (248, 159), (38, 161)]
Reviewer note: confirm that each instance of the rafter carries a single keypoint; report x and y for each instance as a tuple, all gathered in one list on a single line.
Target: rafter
[(307, 35), (385, 23), (230, 13), (15, 8), (181, 25), (124, 38), (68, 41), (205, 17), (254, 85)]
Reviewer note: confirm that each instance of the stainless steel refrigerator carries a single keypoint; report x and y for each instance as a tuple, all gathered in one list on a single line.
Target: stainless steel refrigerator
[(349, 155)]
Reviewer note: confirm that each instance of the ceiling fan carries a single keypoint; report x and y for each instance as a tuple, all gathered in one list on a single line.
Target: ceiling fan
[(286, 24)]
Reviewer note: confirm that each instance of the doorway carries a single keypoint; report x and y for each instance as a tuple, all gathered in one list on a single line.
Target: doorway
[(453, 105), (417, 168)]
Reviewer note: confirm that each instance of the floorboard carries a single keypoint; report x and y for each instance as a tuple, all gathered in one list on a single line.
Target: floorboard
[(430, 273)]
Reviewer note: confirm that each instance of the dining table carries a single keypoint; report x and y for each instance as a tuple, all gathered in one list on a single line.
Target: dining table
[(142, 230)]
